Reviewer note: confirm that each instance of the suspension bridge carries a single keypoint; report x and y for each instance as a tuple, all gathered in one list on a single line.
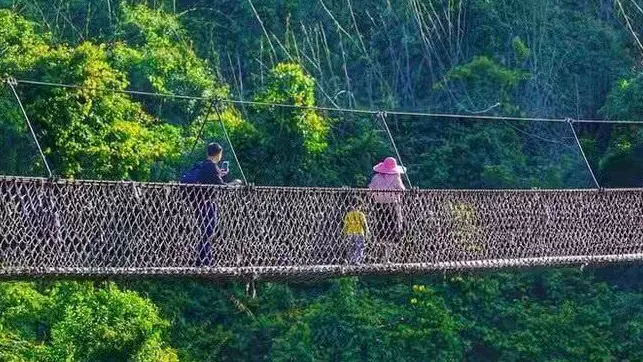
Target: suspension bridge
[(53, 227), (93, 228)]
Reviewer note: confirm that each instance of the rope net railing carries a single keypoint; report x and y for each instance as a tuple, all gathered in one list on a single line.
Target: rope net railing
[(93, 228)]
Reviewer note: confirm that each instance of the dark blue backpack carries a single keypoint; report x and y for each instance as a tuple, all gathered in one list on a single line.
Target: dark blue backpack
[(192, 176)]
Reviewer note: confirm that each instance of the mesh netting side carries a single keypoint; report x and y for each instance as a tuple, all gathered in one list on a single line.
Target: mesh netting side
[(98, 228)]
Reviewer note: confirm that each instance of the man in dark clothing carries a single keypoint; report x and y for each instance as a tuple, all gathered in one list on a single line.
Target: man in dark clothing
[(210, 174)]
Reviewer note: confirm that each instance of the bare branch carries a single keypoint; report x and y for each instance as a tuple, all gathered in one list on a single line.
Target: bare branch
[(339, 26), (629, 25), (265, 32)]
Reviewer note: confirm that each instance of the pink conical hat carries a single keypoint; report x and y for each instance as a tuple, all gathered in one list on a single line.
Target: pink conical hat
[(389, 166)]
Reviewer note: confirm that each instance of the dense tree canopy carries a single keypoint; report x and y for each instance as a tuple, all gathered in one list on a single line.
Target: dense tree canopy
[(541, 58), (79, 322)]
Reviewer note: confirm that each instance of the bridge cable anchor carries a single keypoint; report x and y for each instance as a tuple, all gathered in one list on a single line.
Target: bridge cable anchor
[(9, 80)]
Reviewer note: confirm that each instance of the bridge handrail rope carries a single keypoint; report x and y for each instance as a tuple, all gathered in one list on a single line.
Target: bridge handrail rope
[(473, 116), (321, 189)]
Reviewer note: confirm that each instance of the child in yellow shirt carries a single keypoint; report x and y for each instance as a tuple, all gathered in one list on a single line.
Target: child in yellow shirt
[(356, 232)]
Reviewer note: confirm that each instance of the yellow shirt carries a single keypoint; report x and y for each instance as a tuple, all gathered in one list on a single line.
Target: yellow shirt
[(355, 223)]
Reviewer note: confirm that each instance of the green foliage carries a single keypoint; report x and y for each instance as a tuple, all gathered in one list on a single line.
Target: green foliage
[(94, 134), (87, 132), (15, 142), (482, 70), (97, 134), (153, 50), (288, 84), (502, 316), (520, 49), (79, 322), (485, 80), (20, 48), (624, 101), (530, 315), (291, 140), (20, 43), (622, 162)]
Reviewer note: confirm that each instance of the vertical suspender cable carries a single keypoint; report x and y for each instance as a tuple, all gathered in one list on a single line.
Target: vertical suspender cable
[(589, 167), (12, 83), (200, 134), (382, 116), (225, 132)]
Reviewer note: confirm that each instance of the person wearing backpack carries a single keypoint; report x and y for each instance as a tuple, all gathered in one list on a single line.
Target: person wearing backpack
[(207, 172), (210, 173)]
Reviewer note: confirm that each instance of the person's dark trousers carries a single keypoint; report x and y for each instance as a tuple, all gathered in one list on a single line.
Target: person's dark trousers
[(210, 217)]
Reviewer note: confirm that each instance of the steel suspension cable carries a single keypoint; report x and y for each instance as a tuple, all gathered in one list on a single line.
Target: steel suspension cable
[(334, 109), (589, 167), (382, 117), (227, 136), (11, 83), (200, 134)]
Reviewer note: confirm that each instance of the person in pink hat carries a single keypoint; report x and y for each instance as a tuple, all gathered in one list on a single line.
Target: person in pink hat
[(388, 226)]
